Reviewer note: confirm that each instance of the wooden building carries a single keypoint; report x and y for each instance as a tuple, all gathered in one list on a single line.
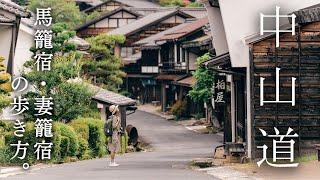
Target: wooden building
[(145, 27), (167, 59), (10, 18), (178, 58), (111, 5), (106, 22), (298, 56)]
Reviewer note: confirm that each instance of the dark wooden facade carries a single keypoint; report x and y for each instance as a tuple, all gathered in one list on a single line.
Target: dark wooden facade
[(107, 22), (298, 56)]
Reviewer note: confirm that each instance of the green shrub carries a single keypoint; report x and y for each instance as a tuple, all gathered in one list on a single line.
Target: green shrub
[(68, 131), (179, 109), (83, 148), (5, 127), (81, 128), (97, 138), (124, 142), (56, 140), (71, 100), (4, 156), (64, 146), (180, 3), (29, 137), (92, 130)]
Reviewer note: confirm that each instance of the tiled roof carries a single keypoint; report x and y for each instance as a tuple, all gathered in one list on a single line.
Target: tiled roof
[(105, 15), (196, 12), (188, 81), (14, 8), (150, 41), (80, 43), (128, 3), (104, 96), (221, 60), (307, 15), (183, 31), (148, 20), (170, 77), (4, 19), (203, 40), (199, 12), (132, 59), (108, 97)]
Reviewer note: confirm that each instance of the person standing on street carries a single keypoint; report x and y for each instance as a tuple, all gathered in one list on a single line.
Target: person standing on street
[(113, 128)]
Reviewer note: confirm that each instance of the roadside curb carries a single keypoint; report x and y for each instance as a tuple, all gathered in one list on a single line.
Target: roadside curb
[(225, 172), (11, 171)]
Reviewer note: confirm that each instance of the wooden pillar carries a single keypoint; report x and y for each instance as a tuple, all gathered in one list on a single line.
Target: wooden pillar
[(233, 110), (159, 57), (14, 39), (175, 53), (181, 92), (181, 54), (102, 108), (163, 97), (123, 116), (187, 60)]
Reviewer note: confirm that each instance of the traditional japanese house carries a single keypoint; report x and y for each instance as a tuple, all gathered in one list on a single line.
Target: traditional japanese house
[(197, 12), (111, 5), (167, 61), (145, 27), (298, 56), (25, 41), (106, 22), (131, 52), (178, 53), (10, 17), (256, 56)]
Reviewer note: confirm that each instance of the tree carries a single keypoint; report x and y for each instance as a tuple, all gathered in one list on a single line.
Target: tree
[(62, 11), (180, 3), (5, 85), (60, 37), (104, 68), (195, 4), (70, 99), (21, 2), (202, 90)]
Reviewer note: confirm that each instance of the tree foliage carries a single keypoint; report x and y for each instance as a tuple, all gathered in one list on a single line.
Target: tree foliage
[(70, 99), (195, 4), (180, 3), (21, 2), (201, 91), (62, 11), (104, 68), (5, 85)]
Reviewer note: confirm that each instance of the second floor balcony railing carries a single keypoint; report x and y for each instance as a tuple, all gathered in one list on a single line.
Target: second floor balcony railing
[(172, 66)]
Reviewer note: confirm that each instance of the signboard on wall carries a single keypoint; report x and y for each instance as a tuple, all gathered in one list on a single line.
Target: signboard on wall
[(219, 90)]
